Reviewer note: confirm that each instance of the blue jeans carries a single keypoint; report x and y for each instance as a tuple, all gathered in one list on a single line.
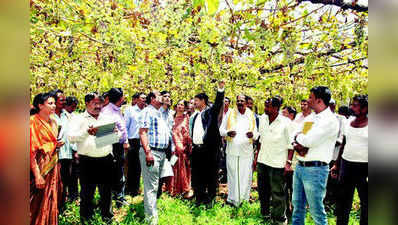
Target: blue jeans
[(309, 186)]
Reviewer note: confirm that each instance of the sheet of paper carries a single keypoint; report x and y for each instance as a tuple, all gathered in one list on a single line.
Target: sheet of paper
[(167, 170), (105, 140), (105, 129), (173, 160)]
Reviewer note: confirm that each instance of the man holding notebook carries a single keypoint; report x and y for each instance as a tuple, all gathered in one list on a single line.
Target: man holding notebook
[(95, 160)]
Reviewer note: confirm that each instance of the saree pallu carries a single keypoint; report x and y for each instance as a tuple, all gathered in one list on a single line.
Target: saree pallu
[(44, 203)]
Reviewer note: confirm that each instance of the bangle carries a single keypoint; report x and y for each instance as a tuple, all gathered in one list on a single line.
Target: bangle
[(289, 161)]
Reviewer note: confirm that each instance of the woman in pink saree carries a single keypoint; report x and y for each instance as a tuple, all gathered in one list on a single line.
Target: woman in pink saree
[(181, 181)]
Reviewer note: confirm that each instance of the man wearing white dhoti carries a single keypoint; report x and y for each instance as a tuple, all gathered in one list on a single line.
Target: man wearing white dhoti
[(239, 128)]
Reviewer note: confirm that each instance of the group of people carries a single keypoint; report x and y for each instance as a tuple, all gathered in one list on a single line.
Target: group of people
[(188, 149)]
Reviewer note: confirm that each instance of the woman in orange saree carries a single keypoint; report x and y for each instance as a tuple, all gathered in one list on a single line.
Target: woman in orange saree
[(46, 187)]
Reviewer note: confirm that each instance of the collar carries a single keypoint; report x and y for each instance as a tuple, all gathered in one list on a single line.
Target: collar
[(204, 109), (163, 110), (114, 107), (151, 107), (87, 115), (324, 113), (247, 113), (279, 117), (136, 108), (63, 113)]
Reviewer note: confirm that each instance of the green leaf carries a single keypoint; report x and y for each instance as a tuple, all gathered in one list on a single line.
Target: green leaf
[(197, 3), (260, 2), (212, 6)]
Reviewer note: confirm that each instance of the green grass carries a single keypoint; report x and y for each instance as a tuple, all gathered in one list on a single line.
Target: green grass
[(180, 211)]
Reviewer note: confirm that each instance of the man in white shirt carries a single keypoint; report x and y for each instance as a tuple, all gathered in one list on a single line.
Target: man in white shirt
[(274, 160), (314, 145), (305, 114), (206, 139), (240, 129), (95, 162)]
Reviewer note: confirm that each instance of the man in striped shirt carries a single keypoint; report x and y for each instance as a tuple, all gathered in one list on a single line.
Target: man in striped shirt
[(155, 137)]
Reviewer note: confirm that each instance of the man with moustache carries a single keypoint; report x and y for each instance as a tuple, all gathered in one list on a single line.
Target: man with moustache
[(95, 162), (65, 154), (306, 113), (155, 139), (206, 139), (240, 129), (274, 161), (250, 105)]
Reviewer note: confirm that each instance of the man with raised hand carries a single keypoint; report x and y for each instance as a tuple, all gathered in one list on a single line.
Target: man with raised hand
[(206, 138)]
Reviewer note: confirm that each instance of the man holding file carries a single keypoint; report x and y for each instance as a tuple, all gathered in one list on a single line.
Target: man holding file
[(95, 159)]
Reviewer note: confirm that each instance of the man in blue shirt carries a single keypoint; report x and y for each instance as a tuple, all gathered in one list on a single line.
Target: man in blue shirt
[(133, 161)]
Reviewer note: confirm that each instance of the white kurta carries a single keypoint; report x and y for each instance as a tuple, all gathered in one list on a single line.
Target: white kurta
[(239, 158)]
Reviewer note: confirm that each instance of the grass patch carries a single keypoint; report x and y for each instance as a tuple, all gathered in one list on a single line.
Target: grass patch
[(178, 211)]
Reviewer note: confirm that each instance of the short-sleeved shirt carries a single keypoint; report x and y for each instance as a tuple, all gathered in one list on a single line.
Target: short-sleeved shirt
[(159, 134), (65, 152), (131, 117), (275, 139)]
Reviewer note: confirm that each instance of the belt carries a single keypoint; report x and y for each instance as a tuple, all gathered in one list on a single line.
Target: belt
[(198, 146), (158, 149), (312, 163)]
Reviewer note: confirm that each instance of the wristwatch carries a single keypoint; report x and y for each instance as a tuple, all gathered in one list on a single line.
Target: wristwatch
[(289, 161)]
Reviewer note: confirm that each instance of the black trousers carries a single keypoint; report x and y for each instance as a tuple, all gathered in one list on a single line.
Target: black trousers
[(95, 172), (119, 181), (222, 159), (289, 193), (134, 168), (332, 189), (204, 173), (74, 190), (69, 182), (352, 175), (272, 191)]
